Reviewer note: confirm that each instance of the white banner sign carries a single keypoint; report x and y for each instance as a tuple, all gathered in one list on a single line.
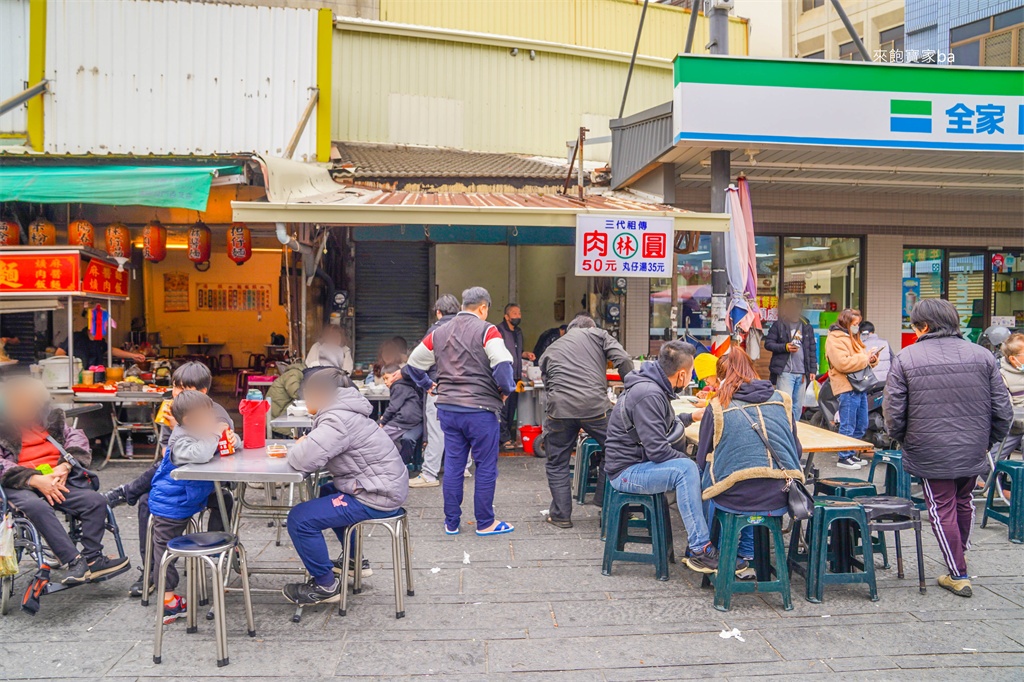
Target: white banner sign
[(624, 246)]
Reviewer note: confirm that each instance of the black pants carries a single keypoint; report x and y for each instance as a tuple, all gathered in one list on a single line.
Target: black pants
[(83, 503), (560, 439), (165, 530), (137, 492), (509, 425)]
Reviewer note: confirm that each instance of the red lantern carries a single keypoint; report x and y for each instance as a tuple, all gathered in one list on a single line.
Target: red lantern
[(41, 232), (81, 233), (119, 240), (199, 244), (239, 243), (10, 233), (154, 241)]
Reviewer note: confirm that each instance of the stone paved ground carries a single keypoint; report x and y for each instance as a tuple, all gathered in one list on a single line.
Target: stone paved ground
[(534, 605)]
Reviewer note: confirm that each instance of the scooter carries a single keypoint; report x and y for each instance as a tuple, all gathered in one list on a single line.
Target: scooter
[(825, 416)]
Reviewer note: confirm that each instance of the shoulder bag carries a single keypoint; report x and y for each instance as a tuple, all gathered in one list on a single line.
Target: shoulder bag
[(862, 380), (800, 502)]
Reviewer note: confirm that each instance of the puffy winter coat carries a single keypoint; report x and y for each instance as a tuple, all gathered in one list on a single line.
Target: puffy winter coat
[(358, 454), (843, 359), (947, 404), (74, 441)]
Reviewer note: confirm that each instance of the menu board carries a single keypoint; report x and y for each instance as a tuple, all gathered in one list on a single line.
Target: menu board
[(175, 292), (233, 297)]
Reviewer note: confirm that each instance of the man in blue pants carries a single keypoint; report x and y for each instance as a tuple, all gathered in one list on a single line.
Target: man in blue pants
[(474, 377)]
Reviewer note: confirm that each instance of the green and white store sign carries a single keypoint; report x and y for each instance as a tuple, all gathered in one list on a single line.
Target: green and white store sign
[(847, 104)]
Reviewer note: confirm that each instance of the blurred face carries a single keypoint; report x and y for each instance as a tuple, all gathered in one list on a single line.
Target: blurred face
[(315, 400), (202, 420), (25, 403)]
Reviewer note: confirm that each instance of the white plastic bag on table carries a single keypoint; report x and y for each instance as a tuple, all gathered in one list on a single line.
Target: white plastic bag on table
[(8, 559)]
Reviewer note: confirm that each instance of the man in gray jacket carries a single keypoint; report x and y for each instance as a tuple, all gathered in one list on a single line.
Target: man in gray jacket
[(370, 481), (946, 403), (575, 380)]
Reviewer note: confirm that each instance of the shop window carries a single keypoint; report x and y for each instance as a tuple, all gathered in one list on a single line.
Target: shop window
[(923, 277), (824, 273), (994, 41), (890, 44), (820, 54), (693, 270)]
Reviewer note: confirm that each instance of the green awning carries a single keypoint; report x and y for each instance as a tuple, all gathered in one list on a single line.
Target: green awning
[(165, 186)]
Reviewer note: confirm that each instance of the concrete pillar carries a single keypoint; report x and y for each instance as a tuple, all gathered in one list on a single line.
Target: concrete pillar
[(882, 271)]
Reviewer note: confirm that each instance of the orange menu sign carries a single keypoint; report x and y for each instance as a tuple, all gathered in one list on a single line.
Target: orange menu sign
[(104, 279), (35, 273)]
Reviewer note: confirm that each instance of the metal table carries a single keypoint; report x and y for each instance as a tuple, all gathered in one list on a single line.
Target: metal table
[(118, 401), (245, 467), (292, 421)]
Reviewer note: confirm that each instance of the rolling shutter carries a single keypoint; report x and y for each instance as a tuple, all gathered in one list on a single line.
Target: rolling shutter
[(392, 296)]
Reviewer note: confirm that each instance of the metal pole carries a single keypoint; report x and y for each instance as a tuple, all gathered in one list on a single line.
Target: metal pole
[(720, 173), (690, 29), (110, 340), (851, 30), (302, 306), (632, 61), (71, 345)]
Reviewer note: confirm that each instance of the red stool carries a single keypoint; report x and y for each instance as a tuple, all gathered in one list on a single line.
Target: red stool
[(242, 381)]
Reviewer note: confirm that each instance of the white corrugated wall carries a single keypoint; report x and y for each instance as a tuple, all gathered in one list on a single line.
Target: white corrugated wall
[(13, 60), (141, 77)]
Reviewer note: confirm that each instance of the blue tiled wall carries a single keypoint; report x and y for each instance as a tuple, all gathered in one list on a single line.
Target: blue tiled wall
[(928, 22)]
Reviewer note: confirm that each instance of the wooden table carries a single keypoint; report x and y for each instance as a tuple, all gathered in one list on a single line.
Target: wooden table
[(813, 439), (203, 347)]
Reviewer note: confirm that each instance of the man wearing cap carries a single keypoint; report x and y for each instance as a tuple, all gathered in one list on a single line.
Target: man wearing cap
[(575, 380)]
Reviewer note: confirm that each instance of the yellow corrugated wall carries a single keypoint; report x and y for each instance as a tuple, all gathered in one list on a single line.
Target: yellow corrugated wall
[(601, 24), (420, 90)]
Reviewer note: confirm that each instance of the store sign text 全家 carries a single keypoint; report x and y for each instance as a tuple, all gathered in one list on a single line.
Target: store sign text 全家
[(624, 246)]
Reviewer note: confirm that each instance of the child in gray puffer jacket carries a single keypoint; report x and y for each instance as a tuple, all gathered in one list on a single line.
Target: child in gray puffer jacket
[(370, 481)]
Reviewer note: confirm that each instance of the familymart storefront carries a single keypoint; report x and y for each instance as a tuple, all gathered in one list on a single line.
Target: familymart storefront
[(872, 185)]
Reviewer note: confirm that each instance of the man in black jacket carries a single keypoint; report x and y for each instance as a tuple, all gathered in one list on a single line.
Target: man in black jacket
[(512, 335), (576, 384), (946, 402), (642, 458), (794, 349)]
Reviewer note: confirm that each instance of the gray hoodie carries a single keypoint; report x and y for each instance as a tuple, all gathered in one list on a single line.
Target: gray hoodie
[(358, 454)]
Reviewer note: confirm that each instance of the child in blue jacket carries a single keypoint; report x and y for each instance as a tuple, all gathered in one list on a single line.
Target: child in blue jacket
[(171, 502)]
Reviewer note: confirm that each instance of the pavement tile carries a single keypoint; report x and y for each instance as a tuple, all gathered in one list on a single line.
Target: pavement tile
[(961, 660), (854, 663), (583, 653), (189, 656), (68, 660), (718, 670), (424, 658)]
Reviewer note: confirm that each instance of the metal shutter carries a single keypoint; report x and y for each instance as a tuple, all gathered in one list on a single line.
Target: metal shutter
[(23, 326), (392, 296)]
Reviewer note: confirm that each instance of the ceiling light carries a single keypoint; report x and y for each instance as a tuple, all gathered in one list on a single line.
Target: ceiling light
[(810, 248), (697, 253)]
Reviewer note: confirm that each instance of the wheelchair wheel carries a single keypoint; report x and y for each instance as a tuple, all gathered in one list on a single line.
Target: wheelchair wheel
[(6, 594)]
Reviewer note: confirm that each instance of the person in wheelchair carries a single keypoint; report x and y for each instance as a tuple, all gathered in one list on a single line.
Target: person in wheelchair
[(38, 479)]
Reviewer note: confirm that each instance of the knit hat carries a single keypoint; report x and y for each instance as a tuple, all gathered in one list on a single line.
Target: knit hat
[(705, 365)]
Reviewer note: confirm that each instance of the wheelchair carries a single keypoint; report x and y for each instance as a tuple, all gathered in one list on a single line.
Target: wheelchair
[(28, 542)]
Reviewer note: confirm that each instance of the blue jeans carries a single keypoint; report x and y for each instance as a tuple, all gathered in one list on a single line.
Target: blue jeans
[(793, 384), (746, 549), (465, 431), (853, 417), (307, 522), (680, 474)]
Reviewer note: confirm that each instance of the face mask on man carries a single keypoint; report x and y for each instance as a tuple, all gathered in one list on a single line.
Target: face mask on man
[(515, 321)]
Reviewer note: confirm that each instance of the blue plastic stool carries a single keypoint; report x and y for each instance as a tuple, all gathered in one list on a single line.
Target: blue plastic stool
[(833, 545), (767, 541), (897, 481), (583, 481), (618, 506), (1012, 515)]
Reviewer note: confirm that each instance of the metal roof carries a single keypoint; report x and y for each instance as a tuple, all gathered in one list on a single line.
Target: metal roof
[(638, 141), (390, 161)]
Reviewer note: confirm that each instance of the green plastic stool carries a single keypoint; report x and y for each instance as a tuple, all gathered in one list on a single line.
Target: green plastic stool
[(1012, 515), (835, 547), (839, 486), (897, 481), (583, 481), (618, 507), (767, 540)]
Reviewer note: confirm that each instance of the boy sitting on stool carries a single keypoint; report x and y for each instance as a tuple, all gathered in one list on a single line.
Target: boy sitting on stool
[(171, 502), (370, 481), (403, 419)]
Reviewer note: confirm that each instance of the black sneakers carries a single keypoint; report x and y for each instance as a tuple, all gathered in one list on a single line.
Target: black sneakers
[(310, 593), (136, 589), (365, 569), (705, 560), (80, 571), (116, 497), (77, 572)]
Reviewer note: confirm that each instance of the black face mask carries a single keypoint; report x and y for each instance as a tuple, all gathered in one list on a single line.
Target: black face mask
[(515, 321)]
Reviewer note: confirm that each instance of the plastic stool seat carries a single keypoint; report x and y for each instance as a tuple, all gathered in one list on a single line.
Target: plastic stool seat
[(827, 545), (768, 541)]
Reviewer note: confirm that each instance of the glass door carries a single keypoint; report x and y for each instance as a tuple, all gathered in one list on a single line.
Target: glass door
[(967, 290)]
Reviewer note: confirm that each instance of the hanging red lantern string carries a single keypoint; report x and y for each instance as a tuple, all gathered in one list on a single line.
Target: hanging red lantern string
[(239, 243), (154, 241), (41, 232), (81, 233), (199, 246), (119, 240), (10, 233)]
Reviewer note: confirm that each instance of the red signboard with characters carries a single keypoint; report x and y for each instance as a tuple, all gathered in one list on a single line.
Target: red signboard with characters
[(38, 273), (103, 279)]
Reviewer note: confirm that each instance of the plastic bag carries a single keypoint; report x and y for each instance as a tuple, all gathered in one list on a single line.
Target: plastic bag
[(8, 558)]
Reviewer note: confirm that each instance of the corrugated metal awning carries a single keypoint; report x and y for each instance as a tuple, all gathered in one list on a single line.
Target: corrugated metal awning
[(301, 193)]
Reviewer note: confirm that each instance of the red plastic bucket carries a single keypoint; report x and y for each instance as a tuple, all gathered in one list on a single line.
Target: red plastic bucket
[(529, 434)]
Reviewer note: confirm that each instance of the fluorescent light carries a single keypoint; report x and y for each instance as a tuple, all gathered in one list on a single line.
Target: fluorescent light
[(810, 248), (696, 253), (765, 255)]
